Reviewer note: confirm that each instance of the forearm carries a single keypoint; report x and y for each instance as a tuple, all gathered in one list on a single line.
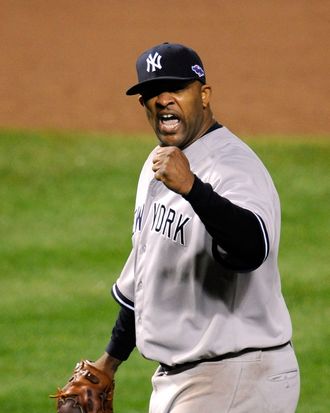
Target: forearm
[(122, 340), (236, 230), (121, 344)]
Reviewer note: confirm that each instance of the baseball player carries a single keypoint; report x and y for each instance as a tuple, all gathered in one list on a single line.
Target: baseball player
[(200, 292)]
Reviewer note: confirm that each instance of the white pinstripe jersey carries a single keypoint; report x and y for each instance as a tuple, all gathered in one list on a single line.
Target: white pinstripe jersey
[(187, 306)]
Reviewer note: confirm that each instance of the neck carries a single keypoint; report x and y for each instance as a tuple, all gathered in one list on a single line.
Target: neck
[(207, 124)]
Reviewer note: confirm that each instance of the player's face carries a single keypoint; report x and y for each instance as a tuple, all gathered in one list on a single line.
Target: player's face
[(179, 113)]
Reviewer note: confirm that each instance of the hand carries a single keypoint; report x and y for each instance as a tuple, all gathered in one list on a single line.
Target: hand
[(171, 167)]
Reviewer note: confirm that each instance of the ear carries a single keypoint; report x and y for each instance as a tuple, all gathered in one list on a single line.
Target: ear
[(141, 100), (206, 92)]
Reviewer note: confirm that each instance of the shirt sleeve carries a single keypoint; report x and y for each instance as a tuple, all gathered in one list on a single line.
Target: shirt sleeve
[(123, 289), (123, 338), (240, 240)]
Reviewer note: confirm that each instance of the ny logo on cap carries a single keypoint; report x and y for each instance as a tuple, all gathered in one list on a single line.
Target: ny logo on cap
[(154, 62)]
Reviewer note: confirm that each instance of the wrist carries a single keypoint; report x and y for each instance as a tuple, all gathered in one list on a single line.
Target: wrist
[(189, 185), (108, 364)]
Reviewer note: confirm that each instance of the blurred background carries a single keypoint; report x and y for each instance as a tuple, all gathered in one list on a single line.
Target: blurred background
[(72, 145), (66, 64)]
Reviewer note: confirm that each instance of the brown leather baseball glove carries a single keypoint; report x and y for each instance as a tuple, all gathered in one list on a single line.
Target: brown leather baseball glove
[(89, 390)]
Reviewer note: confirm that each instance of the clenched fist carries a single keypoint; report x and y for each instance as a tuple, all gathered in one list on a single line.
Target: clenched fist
[(171, 167)]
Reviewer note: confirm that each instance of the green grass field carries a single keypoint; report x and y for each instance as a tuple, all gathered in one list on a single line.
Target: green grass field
[(65, 225)]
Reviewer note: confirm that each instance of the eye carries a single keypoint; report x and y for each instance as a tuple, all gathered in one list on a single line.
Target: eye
[(179, 87), (176, 87)]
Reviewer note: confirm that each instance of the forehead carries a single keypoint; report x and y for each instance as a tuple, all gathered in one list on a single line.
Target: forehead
[(155, 88)]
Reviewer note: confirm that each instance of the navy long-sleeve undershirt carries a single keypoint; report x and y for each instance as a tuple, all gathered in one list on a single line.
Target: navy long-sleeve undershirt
[(240, 234), (123, 339)]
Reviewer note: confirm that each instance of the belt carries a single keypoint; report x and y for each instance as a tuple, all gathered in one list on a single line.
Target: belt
[(179, 368)]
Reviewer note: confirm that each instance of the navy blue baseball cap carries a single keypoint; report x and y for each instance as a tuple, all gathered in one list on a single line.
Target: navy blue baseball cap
[(167, 62)]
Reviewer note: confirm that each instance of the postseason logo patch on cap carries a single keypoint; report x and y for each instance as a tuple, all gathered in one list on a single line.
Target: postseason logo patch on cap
[(198, 70)]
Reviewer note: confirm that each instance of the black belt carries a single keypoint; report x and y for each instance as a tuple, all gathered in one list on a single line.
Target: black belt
[(179, 368)]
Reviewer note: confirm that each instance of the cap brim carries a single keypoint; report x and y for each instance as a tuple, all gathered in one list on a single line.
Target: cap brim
[(142, 86)]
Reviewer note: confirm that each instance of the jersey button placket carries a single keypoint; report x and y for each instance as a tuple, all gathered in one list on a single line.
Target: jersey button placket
[(139, 286)]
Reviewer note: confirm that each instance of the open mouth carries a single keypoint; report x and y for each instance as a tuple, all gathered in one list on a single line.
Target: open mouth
[(168, 122)]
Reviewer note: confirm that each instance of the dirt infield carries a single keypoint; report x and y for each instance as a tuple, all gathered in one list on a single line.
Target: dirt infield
[(66, 64)]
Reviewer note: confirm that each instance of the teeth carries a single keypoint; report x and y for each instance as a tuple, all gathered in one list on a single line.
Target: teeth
[(168, 117), (168, 122)]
